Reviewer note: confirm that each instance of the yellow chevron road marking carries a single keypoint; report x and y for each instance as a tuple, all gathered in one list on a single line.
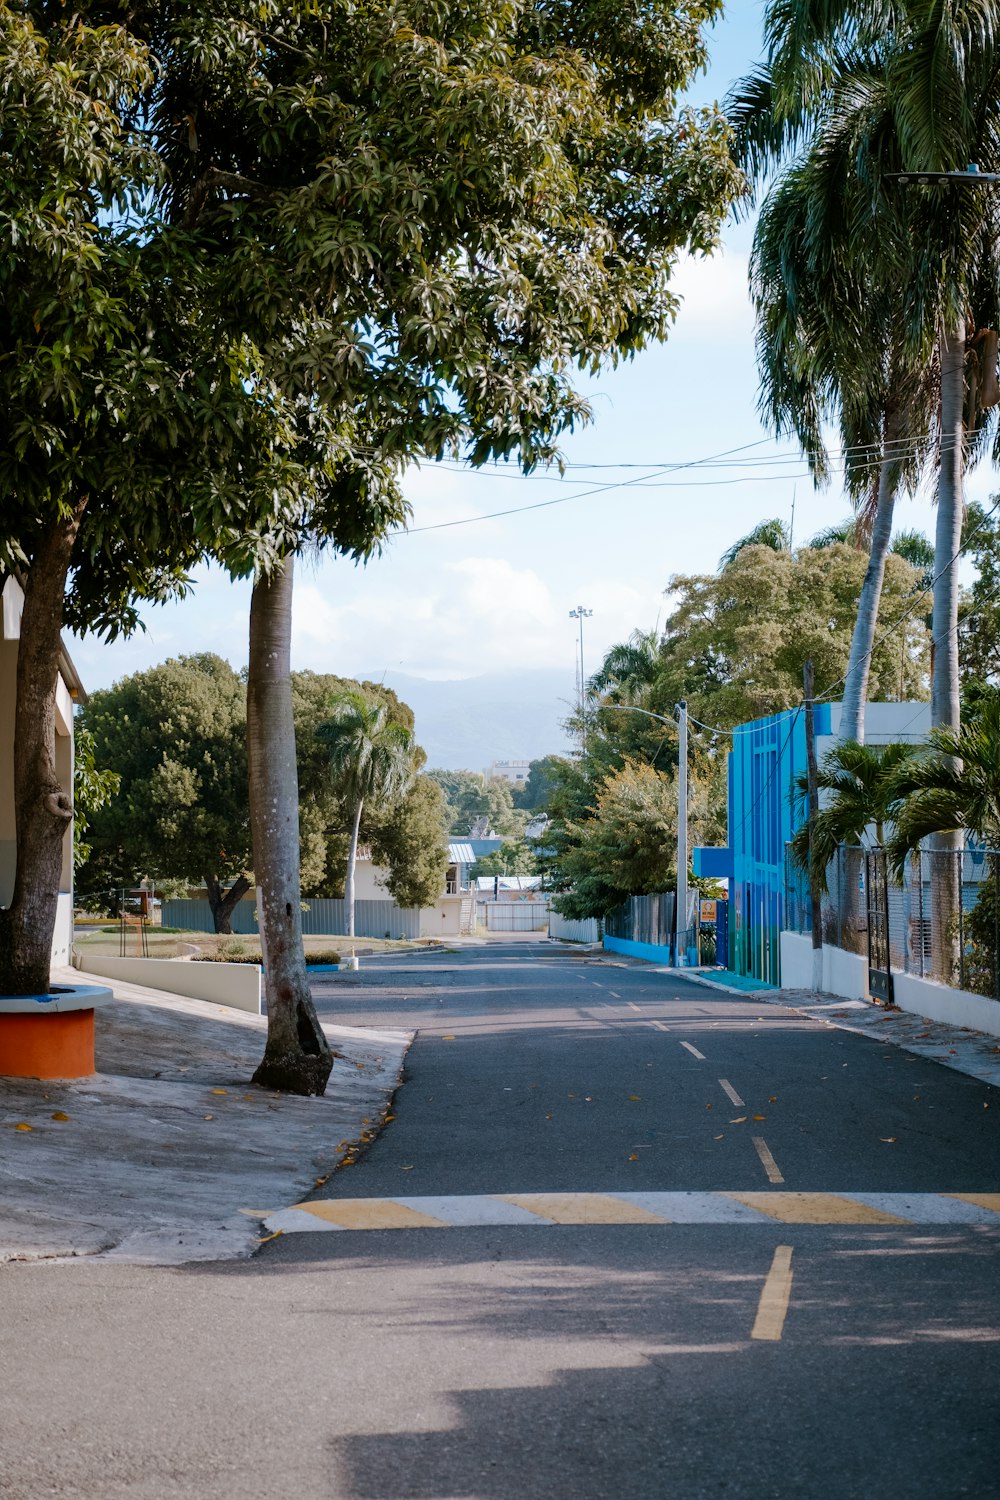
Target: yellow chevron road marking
[(582, 1208), (979, 1200), (370, 1213), (814, 1208)]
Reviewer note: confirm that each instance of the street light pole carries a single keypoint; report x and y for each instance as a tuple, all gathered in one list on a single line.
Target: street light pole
[(581, 614), (682, 835)]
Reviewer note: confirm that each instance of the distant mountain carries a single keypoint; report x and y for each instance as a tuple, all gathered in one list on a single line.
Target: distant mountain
[(465, 723)]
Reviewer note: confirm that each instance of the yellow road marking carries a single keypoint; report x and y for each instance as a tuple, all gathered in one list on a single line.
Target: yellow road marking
[(767, 1160), (979, 1200), (583, 1208), (814, 1208), (370, 1213), (773, 1306)]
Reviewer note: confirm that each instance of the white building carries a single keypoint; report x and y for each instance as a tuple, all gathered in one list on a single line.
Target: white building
[(514, 771)]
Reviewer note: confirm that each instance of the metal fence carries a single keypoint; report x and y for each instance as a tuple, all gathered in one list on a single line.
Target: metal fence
[(644, 919), (940, 921), (584, 930), (320, 916), (513, 916)]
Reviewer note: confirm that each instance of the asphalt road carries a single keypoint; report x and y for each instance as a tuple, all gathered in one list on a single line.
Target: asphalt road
[(542, 1361)]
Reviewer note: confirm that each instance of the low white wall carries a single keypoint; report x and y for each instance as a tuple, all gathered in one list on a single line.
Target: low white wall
[(844, 974), (62, 936), (939, 1002), (587, 930), (235, 985)]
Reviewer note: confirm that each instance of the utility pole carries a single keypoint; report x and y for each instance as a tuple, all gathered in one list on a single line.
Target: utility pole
[(815, 901), (581, 614), (680, 921)]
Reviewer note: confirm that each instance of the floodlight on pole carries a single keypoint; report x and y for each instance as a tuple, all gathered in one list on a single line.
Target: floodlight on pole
[(581, 614)]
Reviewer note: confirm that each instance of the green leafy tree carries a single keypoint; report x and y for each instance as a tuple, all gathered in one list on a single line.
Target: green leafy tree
[(175, 736), (464, 794), (735, 643), (130, 430), (627, 847), (514, 857), (371, 760), (93, 789), (533, 795), (412, 842)]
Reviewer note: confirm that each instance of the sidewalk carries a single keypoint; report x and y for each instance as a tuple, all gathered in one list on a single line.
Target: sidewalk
[(169, 1154), (970, 1052)]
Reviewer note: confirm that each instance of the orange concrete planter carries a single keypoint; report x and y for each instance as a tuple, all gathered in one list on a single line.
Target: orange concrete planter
[(50, 1036)]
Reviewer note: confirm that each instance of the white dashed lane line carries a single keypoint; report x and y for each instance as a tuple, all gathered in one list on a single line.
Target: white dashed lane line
[(694, 1051), (731, 1093), (659, 1025), (767, 1160)]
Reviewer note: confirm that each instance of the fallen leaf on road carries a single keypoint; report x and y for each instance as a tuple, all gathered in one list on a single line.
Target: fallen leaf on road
[(708, 1106), (890, 1140), (772, 1098), (634, 1098), (208, 1117), (59, 1115), (760, 1117), (634, 1156), (449, 1038), (407, 1169), (23, 1126), (720, 1137), (740, 1121), (220, 1091), (388, 1118)]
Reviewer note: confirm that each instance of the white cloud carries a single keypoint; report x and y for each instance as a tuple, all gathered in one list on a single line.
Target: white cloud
[(476, 614)]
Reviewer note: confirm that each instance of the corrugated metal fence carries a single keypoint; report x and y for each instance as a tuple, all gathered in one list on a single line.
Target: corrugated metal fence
[(644, 919), (588, 930), (320, 916)]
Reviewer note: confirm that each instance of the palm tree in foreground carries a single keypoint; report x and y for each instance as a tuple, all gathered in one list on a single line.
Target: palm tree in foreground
[(860, 785), (371, 759)]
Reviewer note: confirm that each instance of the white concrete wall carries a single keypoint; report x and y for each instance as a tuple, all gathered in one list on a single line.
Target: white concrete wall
[(938, 1002), (444, 919), (235, 985), (844, 974)]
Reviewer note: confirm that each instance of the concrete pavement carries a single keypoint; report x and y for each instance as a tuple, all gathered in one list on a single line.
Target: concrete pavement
[(169, 1153)]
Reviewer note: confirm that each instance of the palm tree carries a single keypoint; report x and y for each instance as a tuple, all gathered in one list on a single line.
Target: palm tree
[(829, 347), (371, 758), (908, 86), (773, 534), (860, 785), (952, 787), (629, 667)]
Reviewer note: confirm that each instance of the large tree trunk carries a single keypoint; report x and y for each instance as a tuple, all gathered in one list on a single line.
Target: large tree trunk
[(297, 1057), (352, 862), (945, 711), (43, 806), (224, 903), (852, 714)]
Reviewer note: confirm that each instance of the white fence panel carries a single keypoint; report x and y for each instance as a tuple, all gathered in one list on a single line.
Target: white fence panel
[(587, 930)]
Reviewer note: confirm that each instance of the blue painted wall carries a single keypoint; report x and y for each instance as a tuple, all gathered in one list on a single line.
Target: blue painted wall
[(767, 756)]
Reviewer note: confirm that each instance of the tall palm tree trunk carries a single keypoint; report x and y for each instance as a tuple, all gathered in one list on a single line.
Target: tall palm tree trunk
[(297, 1057), (852, 714), (945, 710), (43, 806), (352, 864)]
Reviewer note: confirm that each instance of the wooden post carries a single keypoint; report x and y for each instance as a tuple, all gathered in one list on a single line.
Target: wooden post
[(815, 899)]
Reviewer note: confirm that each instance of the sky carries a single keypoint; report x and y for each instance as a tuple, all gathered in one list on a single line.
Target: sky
[(675, 466)]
